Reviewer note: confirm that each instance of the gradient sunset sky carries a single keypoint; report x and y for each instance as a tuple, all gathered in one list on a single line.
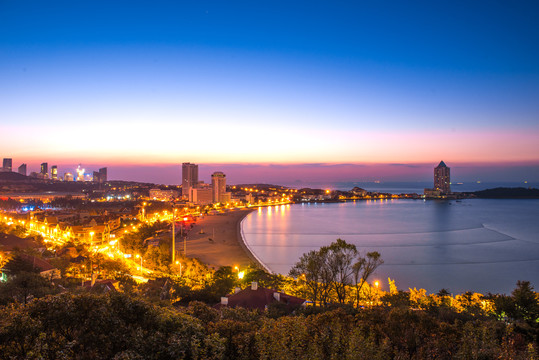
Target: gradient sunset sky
[(272, 90)]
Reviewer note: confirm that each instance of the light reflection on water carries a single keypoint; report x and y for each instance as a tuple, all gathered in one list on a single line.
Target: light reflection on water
[(480, 245)]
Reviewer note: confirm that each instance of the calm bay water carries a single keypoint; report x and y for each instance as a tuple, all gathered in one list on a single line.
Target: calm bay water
[(476, 244)]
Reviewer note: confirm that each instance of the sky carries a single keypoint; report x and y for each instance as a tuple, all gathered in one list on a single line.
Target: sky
[(276, 90)]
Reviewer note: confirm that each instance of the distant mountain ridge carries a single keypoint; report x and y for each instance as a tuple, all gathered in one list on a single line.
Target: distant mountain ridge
[(508, 193)]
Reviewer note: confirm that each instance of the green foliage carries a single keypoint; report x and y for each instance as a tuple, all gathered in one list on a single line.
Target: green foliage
[(102, 327), (23, 287), (118, 326), (17, 265), (399, 299), (526, 302)]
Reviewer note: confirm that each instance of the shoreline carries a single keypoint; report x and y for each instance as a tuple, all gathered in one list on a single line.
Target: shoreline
[(216, 240), (248, 251)]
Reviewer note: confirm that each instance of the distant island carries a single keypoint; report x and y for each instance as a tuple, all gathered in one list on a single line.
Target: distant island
[(507, 193)]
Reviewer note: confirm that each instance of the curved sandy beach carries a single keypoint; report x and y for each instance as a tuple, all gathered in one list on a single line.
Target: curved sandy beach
[(216, 240)]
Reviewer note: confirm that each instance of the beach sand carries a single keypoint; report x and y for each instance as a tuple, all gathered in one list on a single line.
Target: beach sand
[(220, 244)]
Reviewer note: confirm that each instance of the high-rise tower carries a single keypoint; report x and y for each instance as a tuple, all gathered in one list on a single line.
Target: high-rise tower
[(22, 169), (44, 173), (7, 165), (189, 177), (54, 172), (442, 179), (218, 184)]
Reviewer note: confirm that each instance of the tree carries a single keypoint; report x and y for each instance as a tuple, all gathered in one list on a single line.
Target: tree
[(17, 265), (309, 271), (24, 286), (332, 269), (363, 269), (339, 257), (526, 302)]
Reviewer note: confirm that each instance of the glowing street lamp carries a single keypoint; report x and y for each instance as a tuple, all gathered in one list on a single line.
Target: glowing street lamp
[(138, 256), (179, 263)]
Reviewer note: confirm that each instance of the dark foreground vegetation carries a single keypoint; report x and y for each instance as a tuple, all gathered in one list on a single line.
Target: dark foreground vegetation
[(124, 326)]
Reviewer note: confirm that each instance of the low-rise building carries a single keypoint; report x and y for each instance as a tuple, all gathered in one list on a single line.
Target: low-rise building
[(164, 195), (259, 298)]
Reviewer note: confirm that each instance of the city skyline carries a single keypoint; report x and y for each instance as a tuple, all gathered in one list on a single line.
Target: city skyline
[(272, 92)]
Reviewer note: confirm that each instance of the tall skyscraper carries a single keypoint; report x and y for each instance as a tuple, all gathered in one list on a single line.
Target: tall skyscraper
[(7, 165), (218, 184), (189, 177), (22, 169), (442, 178), (103, 174), (100, 176), (44, 173), (54, 172)]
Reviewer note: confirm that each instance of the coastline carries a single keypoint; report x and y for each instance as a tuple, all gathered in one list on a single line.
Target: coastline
[(216, 240)]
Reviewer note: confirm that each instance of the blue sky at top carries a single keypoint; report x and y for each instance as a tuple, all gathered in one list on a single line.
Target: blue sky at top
[(338, 69)]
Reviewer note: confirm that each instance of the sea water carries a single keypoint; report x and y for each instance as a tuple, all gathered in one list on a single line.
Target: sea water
[(480, 245)]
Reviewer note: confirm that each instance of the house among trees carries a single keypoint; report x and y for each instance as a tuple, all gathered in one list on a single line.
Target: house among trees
[(10, 243), (44, 268), (101, 286), (255, 297)]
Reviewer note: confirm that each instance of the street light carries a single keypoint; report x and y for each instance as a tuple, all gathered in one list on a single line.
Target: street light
[(376, 284), (173, 232), (179, 263), (138, 256)]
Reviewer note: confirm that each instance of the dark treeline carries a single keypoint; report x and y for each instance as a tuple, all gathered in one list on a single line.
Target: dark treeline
[(508, 193), (121, 326)]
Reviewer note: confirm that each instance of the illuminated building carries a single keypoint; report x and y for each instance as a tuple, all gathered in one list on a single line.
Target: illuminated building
[(442, 180), (202, 195), (22, 169), (44, 173), (54, 172), (68, 176), (189, 178), (163, 195), (7, 165), (218, 184), (80, 173)]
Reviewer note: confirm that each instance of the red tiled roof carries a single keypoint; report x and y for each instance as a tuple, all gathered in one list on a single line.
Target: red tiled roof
[(38, 263), (261, 298), (8, 242)]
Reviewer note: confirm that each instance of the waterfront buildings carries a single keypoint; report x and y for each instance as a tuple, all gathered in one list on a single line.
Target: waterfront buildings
[(54, 172), (44, 173), (7, 164), (442, 179), (218, 184), (80, 173), (100, 176), (22, 169), (201, 195), (162, 195), (189, 178)]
